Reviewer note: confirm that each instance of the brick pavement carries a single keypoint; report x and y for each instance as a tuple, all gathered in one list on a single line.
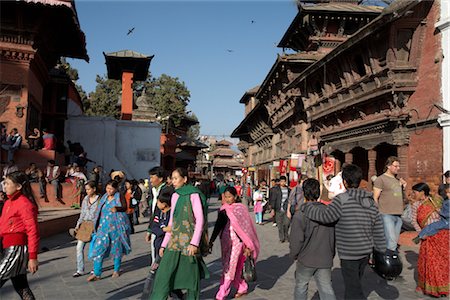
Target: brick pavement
[(275, 272)]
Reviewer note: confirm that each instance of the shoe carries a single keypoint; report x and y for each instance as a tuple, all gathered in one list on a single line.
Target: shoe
[(77, 274), (239, 295), (115, 274), (154, 266), (93, 278), (274, 224)]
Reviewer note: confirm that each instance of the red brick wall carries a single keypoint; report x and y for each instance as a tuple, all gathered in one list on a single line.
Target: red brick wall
[(15, 74), (426, 148), (425, 157), (428, 89)]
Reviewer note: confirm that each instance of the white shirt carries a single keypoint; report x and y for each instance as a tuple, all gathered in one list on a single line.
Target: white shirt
[(336, 186), (155, 192)]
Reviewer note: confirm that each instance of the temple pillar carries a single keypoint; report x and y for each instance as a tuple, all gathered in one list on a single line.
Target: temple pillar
[(402, 153), (372, 157), (127, 96), (337, 166), (348, 158)]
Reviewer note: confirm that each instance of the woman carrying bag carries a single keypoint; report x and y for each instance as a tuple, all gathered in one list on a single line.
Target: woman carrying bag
[(112, 231), (85, 223), (240, 244)]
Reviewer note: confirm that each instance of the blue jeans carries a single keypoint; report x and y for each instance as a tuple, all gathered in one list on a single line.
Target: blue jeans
[(323, 280), (80, 256), (258, 217), (392, 226), (99, 262)]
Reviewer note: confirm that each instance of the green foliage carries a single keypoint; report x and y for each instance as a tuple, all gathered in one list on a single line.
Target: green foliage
[(168, 96), (103, 101)]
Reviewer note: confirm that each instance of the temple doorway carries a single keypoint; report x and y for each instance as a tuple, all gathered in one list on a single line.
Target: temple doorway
[(384, 150), (360, 158), (340, 159)]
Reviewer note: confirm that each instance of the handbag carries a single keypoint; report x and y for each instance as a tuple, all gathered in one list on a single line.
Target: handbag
[(249, 271), (84, 232)]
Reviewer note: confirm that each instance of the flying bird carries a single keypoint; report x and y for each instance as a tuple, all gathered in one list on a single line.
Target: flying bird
[(130, 31), (230, 50), (253, 21)]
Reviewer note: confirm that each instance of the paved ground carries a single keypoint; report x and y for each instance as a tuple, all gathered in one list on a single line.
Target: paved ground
[(275, 272)]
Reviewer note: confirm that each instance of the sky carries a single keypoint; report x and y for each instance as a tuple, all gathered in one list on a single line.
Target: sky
[(219, 49)]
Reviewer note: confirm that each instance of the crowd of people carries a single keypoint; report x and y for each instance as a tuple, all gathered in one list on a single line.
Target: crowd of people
[(317, 217), (313, 217)]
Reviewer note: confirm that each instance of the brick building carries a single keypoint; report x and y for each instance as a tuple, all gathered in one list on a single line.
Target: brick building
[(35, 35), (369, 92)]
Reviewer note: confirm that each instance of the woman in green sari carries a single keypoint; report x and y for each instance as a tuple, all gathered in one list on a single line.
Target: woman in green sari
[(182, 265)]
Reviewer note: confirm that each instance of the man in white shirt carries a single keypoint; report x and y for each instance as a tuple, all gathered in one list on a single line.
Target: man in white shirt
[(158, 184)]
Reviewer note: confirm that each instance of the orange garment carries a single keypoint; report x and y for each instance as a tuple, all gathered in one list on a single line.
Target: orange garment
[(129, 210)]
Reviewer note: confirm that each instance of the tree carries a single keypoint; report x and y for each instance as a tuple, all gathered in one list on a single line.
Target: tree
[(103, 101), (194, 131), (168, 96)]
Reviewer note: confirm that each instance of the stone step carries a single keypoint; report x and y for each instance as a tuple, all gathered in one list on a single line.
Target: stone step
[(70, 196)]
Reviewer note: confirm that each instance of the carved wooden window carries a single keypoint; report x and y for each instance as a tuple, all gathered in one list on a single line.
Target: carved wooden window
[(318, 89), (4, 102), (278, 149), (403, 45), (360, 65)]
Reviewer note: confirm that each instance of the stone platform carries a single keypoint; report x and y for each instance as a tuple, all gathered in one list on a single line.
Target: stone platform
[(56, 220)]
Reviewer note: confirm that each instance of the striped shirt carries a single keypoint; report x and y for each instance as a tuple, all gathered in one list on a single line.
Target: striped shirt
[(358, 227), (284, 196)]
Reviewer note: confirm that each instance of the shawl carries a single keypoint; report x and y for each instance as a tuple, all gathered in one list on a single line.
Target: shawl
[(243, 225), (427, 208)]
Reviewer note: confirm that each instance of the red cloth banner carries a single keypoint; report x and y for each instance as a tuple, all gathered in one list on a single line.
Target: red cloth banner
[(328, 165)]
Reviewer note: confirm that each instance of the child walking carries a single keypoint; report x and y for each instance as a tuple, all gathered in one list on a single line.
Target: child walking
[(312, 245), (160, 223), (258, 205)]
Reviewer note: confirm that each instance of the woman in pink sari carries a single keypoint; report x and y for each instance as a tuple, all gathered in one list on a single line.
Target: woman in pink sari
[(238, 239)]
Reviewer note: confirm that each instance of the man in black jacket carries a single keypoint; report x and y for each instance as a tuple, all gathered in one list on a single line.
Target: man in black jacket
[(279, 203)]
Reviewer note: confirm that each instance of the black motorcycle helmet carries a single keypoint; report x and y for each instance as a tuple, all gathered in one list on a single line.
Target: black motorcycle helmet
[(388, 266)]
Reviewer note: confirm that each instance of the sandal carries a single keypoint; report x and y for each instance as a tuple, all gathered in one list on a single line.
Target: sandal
[(115, 274), (239, 295), (93, 277)]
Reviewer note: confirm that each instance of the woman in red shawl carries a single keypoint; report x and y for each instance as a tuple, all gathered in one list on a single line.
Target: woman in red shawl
[(238, 239), (433, 263)]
